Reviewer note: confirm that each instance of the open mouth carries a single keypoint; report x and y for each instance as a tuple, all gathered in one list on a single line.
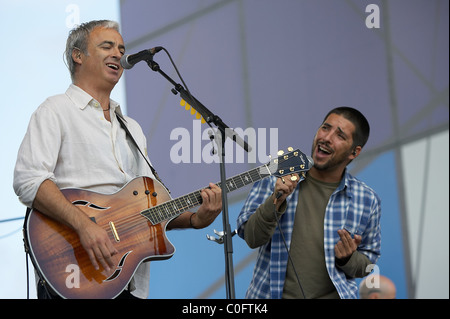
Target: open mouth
[(113, 66), (323, 150)]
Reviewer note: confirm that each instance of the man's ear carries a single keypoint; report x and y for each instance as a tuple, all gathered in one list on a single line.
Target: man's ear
[(77, 56), (356, 151)]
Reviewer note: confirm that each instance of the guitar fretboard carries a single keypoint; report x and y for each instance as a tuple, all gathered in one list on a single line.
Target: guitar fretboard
[(175, 207)]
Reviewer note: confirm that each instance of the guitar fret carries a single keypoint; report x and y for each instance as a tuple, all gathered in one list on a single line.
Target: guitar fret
[(254, 175), (176, 206), (242, 180), (237, 182), (247, 178), (231, 185), (188, 201), (179, 204)]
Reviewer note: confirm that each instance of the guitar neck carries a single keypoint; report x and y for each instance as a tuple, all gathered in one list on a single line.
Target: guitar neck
[(175, 207)]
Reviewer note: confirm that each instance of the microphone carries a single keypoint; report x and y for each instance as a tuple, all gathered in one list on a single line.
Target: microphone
[(129, 60)]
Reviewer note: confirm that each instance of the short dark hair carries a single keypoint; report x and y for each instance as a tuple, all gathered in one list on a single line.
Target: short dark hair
[(362, 127)]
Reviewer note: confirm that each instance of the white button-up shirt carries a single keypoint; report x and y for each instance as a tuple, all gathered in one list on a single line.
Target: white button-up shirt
[(70, 142)]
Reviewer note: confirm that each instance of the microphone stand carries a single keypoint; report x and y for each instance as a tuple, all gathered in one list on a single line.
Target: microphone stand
[(225, 132)]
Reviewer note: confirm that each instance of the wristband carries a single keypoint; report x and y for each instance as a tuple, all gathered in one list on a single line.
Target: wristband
[(190, 221)]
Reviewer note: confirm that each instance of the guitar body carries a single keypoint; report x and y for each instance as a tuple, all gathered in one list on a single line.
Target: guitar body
[(64, 264)]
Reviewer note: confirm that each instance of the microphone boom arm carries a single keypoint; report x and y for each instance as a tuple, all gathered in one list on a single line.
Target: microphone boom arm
[(200, 108)]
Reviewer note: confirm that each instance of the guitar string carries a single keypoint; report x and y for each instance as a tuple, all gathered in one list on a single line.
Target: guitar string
[(193, 197), (140, 218), (169, 209), (129, 222)]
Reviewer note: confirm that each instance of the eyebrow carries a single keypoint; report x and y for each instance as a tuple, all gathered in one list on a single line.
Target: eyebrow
[(338, 128)]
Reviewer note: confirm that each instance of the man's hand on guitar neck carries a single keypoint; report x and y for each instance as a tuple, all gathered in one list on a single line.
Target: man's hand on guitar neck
[(50, 201), (207, 212), (210, 208)]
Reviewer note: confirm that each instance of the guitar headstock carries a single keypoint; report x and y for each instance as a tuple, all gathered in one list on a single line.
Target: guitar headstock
[(294, 161)]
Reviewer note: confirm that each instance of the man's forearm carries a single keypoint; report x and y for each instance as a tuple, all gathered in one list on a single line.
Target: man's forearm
[(355, 266), (50, 201), (261, 225)]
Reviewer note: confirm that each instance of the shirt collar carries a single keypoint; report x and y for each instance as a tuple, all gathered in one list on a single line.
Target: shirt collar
[(82, 99), (346, 183), (79, 97)]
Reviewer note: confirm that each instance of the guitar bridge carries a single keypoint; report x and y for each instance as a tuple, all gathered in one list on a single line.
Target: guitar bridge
[(114, 231)]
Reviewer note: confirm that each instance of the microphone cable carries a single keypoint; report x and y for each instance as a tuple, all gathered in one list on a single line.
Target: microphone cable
[(185, 86), (289, 255)]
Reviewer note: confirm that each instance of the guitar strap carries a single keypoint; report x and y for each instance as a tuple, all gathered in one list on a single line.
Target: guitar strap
[(123, 125)]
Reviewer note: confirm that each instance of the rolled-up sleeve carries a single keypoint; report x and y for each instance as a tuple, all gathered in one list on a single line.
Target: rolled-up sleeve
[(37, 155)]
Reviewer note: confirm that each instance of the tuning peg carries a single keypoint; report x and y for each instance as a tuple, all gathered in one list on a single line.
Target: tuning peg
[(290, 149), (280, 152)]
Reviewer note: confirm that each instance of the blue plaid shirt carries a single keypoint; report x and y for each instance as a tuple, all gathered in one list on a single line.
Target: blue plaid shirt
[(353, 206)]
